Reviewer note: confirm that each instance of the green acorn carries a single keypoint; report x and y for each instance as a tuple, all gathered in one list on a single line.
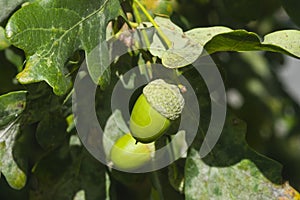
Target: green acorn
[(154, 110), (128, 154)]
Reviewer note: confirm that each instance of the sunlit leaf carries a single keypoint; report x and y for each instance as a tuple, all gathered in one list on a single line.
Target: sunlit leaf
[(11, 165), (203, 35), (240, 181), (183, 50), (288, 40), (51, 31), (222, 174)]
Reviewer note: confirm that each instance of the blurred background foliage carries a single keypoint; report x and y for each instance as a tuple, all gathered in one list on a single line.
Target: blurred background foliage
[(255, 92)]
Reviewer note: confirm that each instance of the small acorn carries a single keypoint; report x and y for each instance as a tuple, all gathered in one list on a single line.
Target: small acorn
[(127, 154), (155, 109)]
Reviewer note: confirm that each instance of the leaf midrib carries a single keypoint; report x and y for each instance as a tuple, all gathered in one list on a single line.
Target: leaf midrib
[(78, 24), (65, 32)]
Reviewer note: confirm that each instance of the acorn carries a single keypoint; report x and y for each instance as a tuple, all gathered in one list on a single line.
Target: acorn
[(155, 109), (127, 154)]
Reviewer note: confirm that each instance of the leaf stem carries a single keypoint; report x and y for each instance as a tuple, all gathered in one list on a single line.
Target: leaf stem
[(139, 20), (149, 17), (157, 184), (68, 96)]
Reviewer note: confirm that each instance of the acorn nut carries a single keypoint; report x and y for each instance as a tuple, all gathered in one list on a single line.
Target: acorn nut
[(127, 154), (155, 109)]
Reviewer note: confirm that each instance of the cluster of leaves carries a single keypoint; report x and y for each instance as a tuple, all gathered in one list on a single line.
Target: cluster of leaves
[(40, 153)]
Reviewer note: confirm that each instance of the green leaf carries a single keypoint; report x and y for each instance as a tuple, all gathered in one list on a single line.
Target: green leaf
[(286, 42), (40, 102), (10, 168), (80, 195), (203, 35), (63, 175), (176, 175), (66, 175), (176, 58), (179, 145), (240, 181), (183, 51), (222, 174), (51, 31), (11, 165), (98, 65), (4, 43), (51, 130), (14, 58), (70, 122), (171, 30), (11, 106)]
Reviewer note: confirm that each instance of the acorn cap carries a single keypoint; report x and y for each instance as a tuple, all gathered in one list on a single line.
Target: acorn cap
[(165, 98)]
